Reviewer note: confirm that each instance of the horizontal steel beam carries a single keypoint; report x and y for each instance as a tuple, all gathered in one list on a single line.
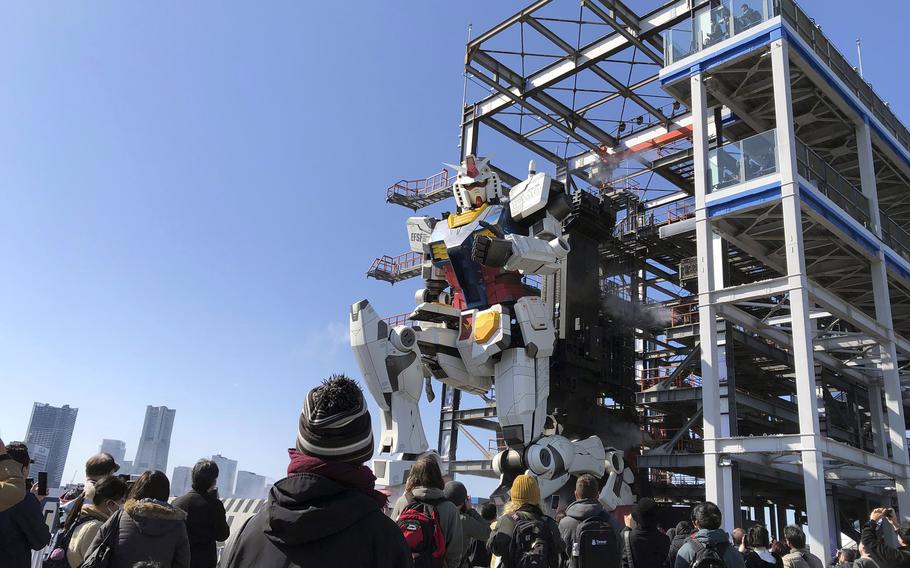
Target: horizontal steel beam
[(751, 291), (587, 56)]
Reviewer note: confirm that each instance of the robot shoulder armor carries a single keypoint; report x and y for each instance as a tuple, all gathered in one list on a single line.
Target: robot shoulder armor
[(530, 196)]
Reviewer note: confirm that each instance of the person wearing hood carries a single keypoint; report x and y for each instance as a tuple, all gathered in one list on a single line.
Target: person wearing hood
[(12, 484), (148, 528), (681, 535), (425, 484), (587, 506), (108, 495), (524, 504), (22, 527), (707, 519), (643, 546), (473, 528), (326, 512)]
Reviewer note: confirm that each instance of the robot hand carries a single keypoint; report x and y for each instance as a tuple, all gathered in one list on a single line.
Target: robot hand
[(491, 251)]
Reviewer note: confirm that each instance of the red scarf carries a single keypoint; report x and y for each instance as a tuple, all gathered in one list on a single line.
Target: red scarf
[(357, 476)]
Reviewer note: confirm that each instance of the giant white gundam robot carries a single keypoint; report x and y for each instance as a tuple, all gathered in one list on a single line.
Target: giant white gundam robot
[(477, 325)]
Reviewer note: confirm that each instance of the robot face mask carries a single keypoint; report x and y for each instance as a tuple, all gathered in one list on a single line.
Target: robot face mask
[(476, 184)]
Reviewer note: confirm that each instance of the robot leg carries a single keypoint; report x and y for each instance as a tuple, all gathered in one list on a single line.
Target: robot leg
[(390, 362), (522, 388), (553, 460)]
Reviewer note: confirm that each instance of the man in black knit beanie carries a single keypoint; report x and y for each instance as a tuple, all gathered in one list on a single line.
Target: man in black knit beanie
[(327, 511)]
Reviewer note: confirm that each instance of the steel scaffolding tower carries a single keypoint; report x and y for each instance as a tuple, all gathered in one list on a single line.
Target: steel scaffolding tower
[(758, 191)]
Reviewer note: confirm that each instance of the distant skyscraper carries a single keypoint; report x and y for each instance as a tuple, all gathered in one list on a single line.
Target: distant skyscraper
[(117, 449), (249, 485), (155, 442), (227, 473), (181, 480), (50, 431)]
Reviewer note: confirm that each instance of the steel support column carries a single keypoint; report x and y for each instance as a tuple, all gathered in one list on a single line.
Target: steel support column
[(707, 312), (803, 357), (894, 407)]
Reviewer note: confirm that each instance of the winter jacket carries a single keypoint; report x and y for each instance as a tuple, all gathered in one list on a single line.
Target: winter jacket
[(206, 524), (761, 558), (732, 557), (881, 553), (649, 548), (84, 534), (802, 559), (12, 483), (312, 521), (22, 530), (865, 562), (501, 538), (449, 518), (147, 530), (576, 513), (678, 541), (473, 528)]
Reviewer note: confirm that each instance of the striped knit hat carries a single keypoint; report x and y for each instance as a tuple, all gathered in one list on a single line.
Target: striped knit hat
[(335, 424)]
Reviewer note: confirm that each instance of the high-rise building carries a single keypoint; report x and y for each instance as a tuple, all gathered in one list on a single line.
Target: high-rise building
[(117, 449), (181, 480), (155, 442), (50, 431), (249, 485), (227, 473)]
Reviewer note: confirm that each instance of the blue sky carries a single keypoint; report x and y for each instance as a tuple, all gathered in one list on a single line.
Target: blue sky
[(192, 193)]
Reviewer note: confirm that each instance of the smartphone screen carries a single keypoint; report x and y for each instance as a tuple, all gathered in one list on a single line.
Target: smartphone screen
[(29, 483), (42, 483)]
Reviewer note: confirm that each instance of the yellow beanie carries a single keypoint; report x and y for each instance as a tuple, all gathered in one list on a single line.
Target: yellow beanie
[(525, 491)]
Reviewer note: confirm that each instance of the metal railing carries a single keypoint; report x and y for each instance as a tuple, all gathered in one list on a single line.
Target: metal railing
[(742, 161), (845, 195), (809, 31), (712, 25)]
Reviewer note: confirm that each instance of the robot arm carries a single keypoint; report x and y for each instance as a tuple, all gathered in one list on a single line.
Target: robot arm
[(528, 255), (532, 204)]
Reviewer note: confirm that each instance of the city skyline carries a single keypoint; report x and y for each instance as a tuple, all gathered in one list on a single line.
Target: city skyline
[(155, 441), (227, 475), (117, 450), (48, 437)]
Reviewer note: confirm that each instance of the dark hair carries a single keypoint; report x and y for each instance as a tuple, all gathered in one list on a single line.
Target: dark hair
[(19, 452), (147, 564), (795, 536), (151, 485), (100, 464), (424, 473), (707, 515), (850, 554), (109, 487), (758, 536), (684, 527), (488, 512), (205, 474), (587, 486), (778, 549)]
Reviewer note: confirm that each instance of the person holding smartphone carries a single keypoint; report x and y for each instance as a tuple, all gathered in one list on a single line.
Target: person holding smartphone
[(875, 545), (22, 527)]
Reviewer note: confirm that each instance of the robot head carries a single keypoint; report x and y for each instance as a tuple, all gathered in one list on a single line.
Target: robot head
[(476, 183)]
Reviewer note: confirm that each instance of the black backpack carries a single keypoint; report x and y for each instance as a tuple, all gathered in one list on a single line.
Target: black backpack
[(595, 544), (477, 555), (532, 543), (710, 555)]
